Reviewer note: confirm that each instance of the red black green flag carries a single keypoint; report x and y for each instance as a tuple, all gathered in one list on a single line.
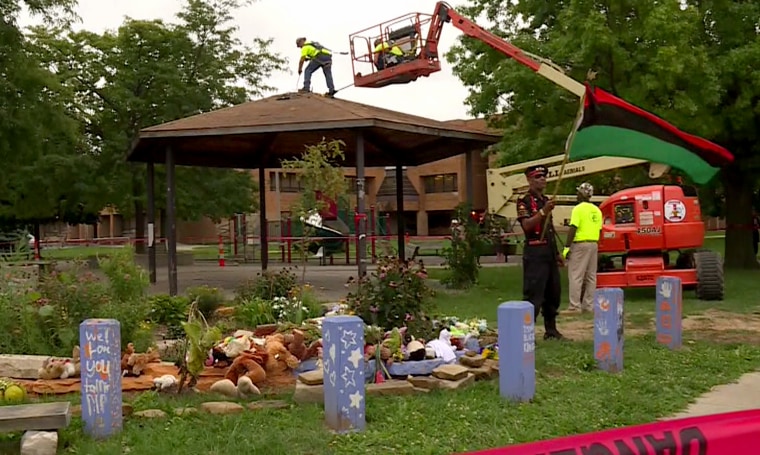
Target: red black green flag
[(610, 126)]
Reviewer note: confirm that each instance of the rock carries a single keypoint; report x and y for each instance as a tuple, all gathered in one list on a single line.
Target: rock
[(308, 393), (458, 384), (493, 364), (482, 373), (268, 404), (472, 362), (423, 382), (450, 372), (419, 390), (221, 407), (39, 443), (314, 377), (392, 387), (185, 411), (21, 366), (151, 414)]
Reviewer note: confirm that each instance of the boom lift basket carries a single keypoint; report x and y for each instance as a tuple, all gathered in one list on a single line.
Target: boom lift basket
[(406, 33)]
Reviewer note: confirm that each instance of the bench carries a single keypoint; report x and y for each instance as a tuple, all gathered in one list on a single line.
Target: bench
[(35, 417)]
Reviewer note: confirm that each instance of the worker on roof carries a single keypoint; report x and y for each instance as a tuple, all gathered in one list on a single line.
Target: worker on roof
[(386, 55), (541, 257), (318, 57), (581, 250)]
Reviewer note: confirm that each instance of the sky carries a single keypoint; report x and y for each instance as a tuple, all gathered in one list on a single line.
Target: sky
[(330, 22)]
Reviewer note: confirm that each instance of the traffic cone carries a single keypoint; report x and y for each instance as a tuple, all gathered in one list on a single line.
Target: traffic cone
[(221, 252)]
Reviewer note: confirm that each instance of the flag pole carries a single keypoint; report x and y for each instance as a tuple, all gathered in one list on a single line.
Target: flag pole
[(568, 146)]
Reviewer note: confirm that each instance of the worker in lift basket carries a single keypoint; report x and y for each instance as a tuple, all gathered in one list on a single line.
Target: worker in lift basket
[(541, 257), (318, 57), (581, 250), (386, 55)]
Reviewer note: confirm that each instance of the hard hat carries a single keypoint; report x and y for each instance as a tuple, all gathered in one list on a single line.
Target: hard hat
[(298, 40), (585, 189)]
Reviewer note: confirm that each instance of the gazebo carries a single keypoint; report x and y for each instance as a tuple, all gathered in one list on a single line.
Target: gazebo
[(259, 134)]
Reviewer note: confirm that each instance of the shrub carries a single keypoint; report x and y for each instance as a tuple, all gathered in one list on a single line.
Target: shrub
[(170, 312), (209, 299), (393, 295), (461, 258), (267, 285), (254, 312)]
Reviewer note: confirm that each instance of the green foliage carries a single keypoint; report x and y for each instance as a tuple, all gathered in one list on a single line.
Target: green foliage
[(169, 311), (208, 299), (200, 338), (392, 295), (294, 307), (461, 257), (253, 311), (695, 65), (46, 321), (267, 285)]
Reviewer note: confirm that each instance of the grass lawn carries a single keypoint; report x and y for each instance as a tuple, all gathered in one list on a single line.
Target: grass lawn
[(572, 396)]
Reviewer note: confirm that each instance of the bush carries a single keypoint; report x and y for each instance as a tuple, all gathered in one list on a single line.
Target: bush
[(392, 296), (209, 299), (267, 285), (254, 312), (46, 321), (461, 258), (170, 312)]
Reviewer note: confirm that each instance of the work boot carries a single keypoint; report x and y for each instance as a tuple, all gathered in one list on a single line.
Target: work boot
[(304, 90), (551, 332), (331, 93)]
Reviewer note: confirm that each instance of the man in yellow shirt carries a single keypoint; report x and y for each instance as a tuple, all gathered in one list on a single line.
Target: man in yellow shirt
[(581, 250), (386, 55), (318, 57)]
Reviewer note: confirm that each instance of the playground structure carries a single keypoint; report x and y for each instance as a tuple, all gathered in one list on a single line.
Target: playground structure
[(642, 226)]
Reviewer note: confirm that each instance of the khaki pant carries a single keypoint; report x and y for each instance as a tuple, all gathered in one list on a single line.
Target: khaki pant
[(581, 270)]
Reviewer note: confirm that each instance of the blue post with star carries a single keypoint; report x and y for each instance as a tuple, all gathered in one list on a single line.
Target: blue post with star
[(343, 366), (609, 323)]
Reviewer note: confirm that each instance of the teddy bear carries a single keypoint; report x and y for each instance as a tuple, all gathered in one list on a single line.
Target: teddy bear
[(279, 359), (55, 368), (243, 376)]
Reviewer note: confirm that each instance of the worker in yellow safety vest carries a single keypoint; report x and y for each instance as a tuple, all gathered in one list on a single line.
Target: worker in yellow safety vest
[(386, 55), (582, 249), (318, 57)]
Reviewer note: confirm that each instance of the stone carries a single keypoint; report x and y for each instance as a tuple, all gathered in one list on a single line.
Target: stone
[(392, 387), (314, 377), (493, 364), (423, 382), (21, 366), (458, 384), (39, 443), (185, 411), (482, 373), (419, 390), (308, 393), (450, 372), (472, 362), (268, 404), (151, 414), (221, 407)]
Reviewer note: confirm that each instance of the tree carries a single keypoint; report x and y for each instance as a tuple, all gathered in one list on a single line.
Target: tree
[(150, 72), (690, 64), (318, 169), (46, 173)]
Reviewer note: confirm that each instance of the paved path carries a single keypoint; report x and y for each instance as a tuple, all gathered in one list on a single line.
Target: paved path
[(740, 396)]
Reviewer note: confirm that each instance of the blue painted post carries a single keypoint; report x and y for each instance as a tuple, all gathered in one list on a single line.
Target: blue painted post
[(517, 361), (669, 311), (609, 324), (100, 341), (344, 376)]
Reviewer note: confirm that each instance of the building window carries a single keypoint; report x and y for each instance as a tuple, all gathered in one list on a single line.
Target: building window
[(289, 182), (441, 183), (351, 184)]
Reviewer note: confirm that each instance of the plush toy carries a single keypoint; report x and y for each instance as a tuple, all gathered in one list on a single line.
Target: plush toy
[(294, 343), (61, 368), (248, 364), (133, 363), (279, 359)]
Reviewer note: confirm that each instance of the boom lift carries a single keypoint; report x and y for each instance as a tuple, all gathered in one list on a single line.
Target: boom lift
[(642, 226)]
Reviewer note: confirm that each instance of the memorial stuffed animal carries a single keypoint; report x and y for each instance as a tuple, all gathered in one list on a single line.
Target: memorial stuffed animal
[(243, 376), (294, 343), (61, 368), (279, 359), (133, 363)]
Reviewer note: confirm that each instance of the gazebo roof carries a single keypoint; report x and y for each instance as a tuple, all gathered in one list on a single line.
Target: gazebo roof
[(268, 130)]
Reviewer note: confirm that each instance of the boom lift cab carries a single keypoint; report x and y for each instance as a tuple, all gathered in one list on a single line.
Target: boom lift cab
[(656, 230)]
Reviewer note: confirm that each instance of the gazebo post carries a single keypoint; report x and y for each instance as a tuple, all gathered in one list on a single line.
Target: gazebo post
[(400, 222), (361, 225), (151, 196), (263, 217), (171, 216)]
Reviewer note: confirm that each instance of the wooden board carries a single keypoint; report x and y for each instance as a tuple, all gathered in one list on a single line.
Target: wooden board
[(37, 416)]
